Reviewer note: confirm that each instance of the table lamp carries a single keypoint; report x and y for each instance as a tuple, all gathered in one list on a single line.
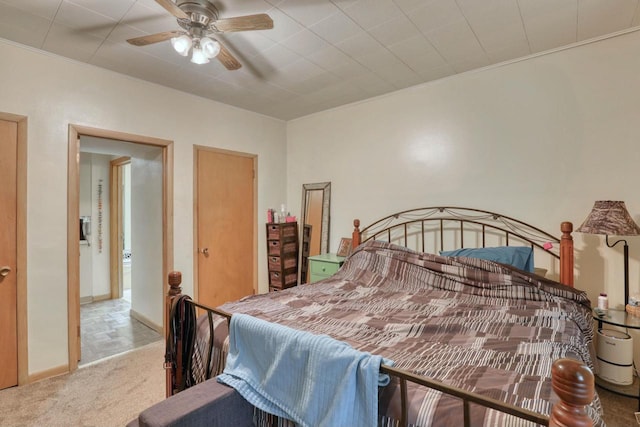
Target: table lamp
[(612, 218)]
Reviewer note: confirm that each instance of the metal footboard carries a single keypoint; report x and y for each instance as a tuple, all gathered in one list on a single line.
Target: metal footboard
[(567, 386)]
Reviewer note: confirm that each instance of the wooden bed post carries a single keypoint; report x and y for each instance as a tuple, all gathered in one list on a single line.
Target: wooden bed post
[(174, 279), (573, 382), (355, 236), (566, 254)]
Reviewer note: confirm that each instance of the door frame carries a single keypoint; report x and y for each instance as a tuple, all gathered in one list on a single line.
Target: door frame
[(73, 217), (21, 246), (116, 222), (196, 149)]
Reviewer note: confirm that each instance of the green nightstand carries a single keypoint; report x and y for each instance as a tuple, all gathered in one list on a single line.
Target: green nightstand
[(323, 266)]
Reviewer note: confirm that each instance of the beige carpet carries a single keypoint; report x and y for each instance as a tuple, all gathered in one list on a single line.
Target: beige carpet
[(112, 392), (618, 410), (107, 393)]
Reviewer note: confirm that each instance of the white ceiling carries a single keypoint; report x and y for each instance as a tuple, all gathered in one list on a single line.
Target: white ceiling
[(320, 53)]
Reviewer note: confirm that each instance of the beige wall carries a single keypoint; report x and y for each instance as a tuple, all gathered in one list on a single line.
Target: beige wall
[(146, 247), (539, 140), (85, 205), (94, 262), (54, 92), (100, 283)]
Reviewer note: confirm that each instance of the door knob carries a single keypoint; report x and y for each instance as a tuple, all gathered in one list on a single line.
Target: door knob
[(205, 251), (4, 271)]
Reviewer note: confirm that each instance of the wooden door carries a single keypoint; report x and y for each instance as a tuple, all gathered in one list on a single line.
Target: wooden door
[(8, 254), (225, 226), (116, 224)]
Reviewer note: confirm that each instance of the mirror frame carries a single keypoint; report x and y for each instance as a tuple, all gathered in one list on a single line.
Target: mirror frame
[(326, 217)]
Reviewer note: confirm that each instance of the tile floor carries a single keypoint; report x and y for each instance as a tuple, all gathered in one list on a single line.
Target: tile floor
[(106, 329)]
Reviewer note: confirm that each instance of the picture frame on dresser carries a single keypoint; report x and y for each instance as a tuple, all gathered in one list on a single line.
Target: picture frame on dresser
[(344, 249)]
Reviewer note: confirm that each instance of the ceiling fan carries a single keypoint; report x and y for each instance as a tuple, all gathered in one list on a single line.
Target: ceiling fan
[(199, 19)]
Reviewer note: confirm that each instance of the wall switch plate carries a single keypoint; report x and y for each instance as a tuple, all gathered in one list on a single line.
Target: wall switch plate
[(637, 417)]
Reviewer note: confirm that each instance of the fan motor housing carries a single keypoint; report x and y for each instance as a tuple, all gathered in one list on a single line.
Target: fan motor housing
[(201, 11)]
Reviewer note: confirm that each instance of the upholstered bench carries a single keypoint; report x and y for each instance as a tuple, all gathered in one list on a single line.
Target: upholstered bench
[(208, 404)]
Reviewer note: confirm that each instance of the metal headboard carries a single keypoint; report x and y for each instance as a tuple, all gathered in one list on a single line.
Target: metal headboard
[(418, 223)]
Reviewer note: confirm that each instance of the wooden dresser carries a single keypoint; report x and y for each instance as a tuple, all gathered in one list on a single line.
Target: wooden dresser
[(282, 252)]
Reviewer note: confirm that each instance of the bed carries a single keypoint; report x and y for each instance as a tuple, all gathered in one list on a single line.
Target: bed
[(474, 341)]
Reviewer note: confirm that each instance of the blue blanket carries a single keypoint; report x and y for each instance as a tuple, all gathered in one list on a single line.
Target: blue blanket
[(314, 380)]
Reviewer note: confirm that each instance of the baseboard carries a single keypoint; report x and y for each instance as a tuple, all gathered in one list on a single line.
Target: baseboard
[(146, 321), (94, 298), (53, 372), (103, 297)]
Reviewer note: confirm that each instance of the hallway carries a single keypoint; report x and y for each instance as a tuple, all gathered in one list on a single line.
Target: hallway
[(108, 329)]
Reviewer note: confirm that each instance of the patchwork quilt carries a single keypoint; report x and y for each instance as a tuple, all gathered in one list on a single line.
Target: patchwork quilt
[(478, 325)]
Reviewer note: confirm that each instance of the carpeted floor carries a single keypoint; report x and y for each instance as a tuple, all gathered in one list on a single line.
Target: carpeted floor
[(107, 393), (112, 392), (618, 410)]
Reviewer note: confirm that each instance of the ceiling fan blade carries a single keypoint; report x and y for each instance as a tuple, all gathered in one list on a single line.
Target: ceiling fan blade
[(154, 38), (261, 21), (171, 7), (227, 59)]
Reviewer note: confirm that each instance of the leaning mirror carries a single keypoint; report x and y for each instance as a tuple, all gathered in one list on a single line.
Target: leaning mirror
[(314, 224)]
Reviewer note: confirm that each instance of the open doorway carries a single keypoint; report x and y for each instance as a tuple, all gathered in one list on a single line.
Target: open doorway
[(112, 321), (151, 217)]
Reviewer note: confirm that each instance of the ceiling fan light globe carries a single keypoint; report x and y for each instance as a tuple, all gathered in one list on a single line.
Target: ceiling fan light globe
[(181, 44), (198, 56), (211, 48)]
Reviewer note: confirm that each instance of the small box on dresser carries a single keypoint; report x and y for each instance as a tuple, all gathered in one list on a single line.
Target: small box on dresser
[(282, 253)]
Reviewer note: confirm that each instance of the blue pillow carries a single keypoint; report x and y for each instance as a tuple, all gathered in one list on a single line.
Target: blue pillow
[(518, 256)]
